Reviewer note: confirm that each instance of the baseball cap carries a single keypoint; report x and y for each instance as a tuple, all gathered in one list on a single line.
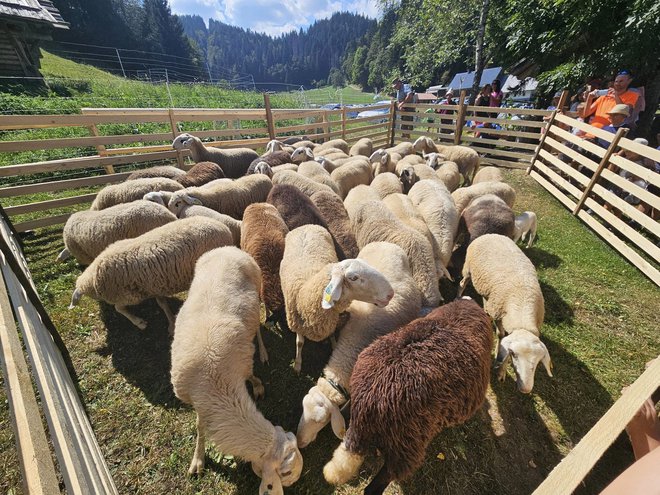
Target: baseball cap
[(621, 108), (624, 72), (641, 141)]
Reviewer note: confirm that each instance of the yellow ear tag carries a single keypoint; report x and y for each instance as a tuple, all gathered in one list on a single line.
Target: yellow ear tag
[(327, 293)]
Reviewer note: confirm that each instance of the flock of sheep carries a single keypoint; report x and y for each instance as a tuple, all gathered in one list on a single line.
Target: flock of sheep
[(336, 242)]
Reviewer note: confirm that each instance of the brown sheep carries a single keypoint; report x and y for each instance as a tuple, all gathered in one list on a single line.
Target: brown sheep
[(333, 212), (409, 385)]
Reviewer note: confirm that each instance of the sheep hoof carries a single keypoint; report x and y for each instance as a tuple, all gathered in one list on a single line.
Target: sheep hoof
[(142, 324), (196, 467), (297, 367)]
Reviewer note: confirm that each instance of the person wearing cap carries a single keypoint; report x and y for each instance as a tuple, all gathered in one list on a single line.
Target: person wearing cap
[(404, 94), (618, 94), (617, 116)]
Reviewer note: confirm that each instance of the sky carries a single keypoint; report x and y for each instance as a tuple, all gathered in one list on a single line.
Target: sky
[(273, 17)]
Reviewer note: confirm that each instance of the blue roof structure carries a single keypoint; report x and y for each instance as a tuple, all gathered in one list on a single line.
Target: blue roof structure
[(463, 80)]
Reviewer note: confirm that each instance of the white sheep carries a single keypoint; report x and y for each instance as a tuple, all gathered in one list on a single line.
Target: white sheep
[(87, 233), (367, 322), (231, 223), (328, 165), (488, 174), (363, 146), (408, 161), (359, 195), (157, 264), (436, 206), (159, 197), (276, 145), (302, 154), (224, 196), (350, 175), (305, 184), (333, 143), (449, 174), (315, 171), (525, 226), (317, 288), (372, 222), (381, 162), (212, 354), (386, 183), (506, 278), (463, 196), (412, 174), (167, 171), (465, 157), (404, 148), (128, 191), (234, 162)]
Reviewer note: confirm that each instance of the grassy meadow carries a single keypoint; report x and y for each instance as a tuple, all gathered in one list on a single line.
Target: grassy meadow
[(601, 327)]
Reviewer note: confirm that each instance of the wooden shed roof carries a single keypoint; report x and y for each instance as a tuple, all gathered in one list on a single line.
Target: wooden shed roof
[(33, 10)]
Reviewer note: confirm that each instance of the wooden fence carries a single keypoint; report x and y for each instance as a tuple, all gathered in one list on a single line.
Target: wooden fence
[(577, 172), (110, 141)]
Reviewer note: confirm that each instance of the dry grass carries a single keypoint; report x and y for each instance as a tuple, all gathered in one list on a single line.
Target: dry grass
[(601, 327)]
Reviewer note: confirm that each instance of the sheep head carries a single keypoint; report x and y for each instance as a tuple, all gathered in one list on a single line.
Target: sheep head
[(354, 279), (424, 144), (525, 350), (434, 160), (182, 141), (318, 411), (264, 168), (160, 197), (380, 162), (408, 178), (302, 154), (274, 145), (178, 201), (281, 466)]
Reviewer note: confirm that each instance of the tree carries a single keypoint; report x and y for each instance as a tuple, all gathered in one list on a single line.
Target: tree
[(479, 50)]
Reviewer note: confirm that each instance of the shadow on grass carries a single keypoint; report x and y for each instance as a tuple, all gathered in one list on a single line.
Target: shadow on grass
[(541, 258), (557, 311), (141, 356)]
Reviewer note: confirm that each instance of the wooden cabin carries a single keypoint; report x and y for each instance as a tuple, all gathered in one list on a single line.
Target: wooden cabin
[(24, 24)]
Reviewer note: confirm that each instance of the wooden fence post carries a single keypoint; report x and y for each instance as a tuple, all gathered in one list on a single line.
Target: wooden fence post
[(562, 100), (175, 132), (326, 125), (460, 118), (343, 123), (269, 117), (542, 140), (603, 163), (100, 149), (393, 109)]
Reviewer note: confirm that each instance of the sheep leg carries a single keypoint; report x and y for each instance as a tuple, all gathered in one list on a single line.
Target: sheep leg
[(162, 302), (197, 463), (263, 354), (333, 341), (379, 483), (461, 286), (258, 389), (135, 320), (532, 235), (297, 364)]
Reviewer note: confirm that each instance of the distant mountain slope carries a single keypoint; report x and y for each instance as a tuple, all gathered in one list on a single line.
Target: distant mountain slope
[(298, 57)]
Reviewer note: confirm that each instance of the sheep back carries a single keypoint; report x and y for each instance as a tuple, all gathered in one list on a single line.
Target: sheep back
[(201, 173), (465, 157), (386, 183), (234, 162), (363, 146), (87, 233), (449, 174), (336, 218), (487, 174), (295, 208), (410, 384), (333, 143), (160, 262), (275, 158), (487, 214), (262, 237), (507, 280), (125, 192), (304, 184), (464, 195), (232, 224), (350, 175), (315, 171), (166, 171)]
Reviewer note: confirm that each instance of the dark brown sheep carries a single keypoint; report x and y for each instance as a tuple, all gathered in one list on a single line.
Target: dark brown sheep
[(487, 214), (200, 174), (410, 384), (262, 237), (339, 224), (294, 206), (276, 158)]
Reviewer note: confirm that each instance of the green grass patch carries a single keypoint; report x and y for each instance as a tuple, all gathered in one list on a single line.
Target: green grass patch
[(601, 326)]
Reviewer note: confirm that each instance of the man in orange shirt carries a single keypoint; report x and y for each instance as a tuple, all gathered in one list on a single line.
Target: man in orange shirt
[(618, 94)]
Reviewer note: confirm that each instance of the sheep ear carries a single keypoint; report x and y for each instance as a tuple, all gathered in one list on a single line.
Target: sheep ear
[(384, 159), (309, 153), (191, 200), (332, 291), (337, 422), (547, 362), (502, 353)]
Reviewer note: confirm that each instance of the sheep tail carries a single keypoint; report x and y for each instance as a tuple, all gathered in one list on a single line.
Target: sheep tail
[(64, 255), (343, 466), (75, 298)]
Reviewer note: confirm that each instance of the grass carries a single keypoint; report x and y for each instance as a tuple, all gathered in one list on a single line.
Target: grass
[(601, 326)]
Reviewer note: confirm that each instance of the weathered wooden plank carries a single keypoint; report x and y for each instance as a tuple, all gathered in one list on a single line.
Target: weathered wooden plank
[(363, 128), (595, 131), (558, 180), (9, 122), (574, 155), (42, 222), (34, 457), (628, 209), (49, 204), (573, 468), (582, 143), (79, 142), (640, 149), (489, 160), (510, 111), (498, 142), (506, 122), (62, 185), (498, 152), (647, 174), (564, 167), (633, 189), (82, 163)]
